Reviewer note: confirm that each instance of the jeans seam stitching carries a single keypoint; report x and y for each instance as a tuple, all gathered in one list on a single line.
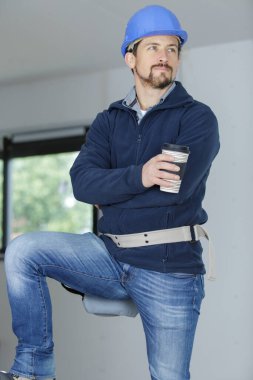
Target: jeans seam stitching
[(45, 332), (81, 273)]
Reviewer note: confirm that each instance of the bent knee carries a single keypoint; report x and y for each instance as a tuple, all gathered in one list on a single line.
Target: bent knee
[(20, 249)]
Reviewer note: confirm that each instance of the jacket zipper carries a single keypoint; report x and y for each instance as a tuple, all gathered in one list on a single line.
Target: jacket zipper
[(138, 147), (139, 135)]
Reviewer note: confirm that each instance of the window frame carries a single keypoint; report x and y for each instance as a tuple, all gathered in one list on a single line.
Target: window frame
[(29, 144)]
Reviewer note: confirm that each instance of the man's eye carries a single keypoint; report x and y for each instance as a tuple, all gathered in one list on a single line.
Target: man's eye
[(171, 50), (152, 47)]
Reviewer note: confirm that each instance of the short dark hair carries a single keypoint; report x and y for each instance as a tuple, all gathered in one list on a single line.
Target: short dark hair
[(133, 48)]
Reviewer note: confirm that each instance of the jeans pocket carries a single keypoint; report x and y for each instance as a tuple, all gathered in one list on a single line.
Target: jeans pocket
[(199, 293), (183, 275), (202, 281)]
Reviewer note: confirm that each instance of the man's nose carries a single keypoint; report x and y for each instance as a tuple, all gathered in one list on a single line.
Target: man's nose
[(163, 56)]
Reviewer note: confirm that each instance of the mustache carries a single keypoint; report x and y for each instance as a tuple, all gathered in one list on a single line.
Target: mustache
[(162, 65)]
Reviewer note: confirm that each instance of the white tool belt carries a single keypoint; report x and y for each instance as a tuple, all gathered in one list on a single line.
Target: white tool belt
[(172, 235)]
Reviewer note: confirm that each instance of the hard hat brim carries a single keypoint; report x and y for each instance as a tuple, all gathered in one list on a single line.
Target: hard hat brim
[(181, 34)]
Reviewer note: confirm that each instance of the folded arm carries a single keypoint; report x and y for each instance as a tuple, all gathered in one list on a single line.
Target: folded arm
[(93, 179)]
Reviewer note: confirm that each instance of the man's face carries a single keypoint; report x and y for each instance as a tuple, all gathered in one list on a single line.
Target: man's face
[(156, 61)]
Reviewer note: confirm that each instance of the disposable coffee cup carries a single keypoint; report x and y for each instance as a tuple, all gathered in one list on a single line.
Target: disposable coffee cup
[(180, 154)]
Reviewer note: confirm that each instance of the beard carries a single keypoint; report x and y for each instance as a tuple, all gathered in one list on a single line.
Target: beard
[(158, 82)]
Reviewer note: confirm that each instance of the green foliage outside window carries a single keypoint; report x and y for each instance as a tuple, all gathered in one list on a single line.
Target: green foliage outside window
[(42, 196)]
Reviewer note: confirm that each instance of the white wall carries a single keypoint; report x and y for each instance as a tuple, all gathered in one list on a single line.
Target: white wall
[(222, 77), (99, 348), (62, 101)]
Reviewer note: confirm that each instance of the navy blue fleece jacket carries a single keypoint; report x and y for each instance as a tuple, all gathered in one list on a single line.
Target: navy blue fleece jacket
[(108, 172)]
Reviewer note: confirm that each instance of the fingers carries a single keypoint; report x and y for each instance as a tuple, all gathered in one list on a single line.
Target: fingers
[(167, 166), (162, 178), (167, 175), (163, 157), (159, 170), (164, 162)]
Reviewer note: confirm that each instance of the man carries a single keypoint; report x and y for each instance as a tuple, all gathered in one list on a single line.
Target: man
[(121, 168)]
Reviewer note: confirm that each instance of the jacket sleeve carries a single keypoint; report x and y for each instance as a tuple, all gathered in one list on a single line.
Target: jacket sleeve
[(93, 179), (199, 131)]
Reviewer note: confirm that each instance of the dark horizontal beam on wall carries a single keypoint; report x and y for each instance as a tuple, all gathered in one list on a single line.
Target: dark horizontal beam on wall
[(42, 147)]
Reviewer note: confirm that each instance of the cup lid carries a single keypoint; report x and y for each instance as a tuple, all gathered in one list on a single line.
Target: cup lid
[(176, 148)]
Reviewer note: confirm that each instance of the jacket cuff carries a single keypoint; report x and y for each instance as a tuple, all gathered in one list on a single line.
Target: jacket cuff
[(138, 179)]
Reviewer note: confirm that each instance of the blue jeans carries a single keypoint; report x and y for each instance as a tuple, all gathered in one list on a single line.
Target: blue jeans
[(168, 303)]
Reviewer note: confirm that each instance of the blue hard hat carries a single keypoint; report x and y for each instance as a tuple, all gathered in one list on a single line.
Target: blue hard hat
[(150, 21)]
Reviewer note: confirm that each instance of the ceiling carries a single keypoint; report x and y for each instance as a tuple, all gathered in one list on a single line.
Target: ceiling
[(43, 38)]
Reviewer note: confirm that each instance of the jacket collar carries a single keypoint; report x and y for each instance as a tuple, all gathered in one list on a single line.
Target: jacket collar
[(131, 98), (180, 98)]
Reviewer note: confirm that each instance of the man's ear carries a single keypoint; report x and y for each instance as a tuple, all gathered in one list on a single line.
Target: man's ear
[(130, 60)]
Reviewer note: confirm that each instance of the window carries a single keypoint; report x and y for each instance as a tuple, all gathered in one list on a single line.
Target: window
[(42, 197), (37, 192)]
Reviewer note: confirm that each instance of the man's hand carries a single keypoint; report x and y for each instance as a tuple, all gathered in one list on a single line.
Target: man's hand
[(153, 171)]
